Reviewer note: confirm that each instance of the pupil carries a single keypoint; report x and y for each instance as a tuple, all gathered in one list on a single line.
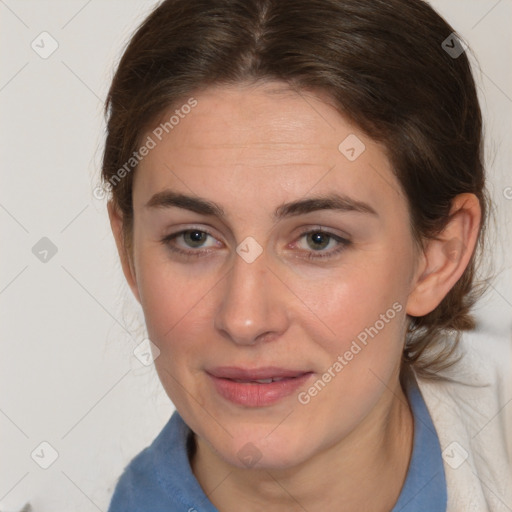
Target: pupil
[(195, 238), (319, 240)]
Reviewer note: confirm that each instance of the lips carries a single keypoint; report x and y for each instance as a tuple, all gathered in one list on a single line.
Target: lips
[(269, 372), (256, 387)]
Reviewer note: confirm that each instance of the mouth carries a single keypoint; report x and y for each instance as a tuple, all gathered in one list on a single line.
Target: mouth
[(257, 387), (262, 381)]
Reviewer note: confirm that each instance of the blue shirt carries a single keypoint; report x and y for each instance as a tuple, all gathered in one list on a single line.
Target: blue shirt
[(160, 479)]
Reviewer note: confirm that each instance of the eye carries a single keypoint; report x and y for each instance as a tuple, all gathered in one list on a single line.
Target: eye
[(194, 238), (319, 240), (191, 242), (321, 244)]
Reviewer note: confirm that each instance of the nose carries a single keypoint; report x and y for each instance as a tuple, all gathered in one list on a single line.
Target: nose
[(253, 304)]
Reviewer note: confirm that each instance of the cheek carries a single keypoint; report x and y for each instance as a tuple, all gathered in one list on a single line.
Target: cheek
[(358, 296), (178, 314), (176, 303), (364, 315)]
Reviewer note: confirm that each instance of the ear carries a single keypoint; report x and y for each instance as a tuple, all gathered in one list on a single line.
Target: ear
[(116, 223), (445, 258)]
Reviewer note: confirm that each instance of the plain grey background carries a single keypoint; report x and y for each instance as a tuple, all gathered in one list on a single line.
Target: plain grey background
[(68, 374)]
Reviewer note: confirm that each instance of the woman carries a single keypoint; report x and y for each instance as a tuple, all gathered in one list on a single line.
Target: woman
[(298, 200)]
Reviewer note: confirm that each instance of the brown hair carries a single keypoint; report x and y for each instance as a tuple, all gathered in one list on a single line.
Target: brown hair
[(384, 66)]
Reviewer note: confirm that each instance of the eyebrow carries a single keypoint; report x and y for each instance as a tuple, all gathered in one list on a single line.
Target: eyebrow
[(331, 202), (170, 199)]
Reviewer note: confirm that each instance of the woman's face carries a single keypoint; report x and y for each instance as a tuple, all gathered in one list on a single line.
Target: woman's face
[(271, 239)]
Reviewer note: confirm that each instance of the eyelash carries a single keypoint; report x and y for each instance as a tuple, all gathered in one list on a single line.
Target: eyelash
[(343, 243)]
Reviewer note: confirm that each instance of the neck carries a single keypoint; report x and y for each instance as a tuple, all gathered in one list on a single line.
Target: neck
[(363, 471)]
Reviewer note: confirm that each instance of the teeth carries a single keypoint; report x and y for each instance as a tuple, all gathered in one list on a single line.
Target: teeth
[(260, 381)]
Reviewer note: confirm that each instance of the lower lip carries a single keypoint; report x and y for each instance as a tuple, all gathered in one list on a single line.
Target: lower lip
[(253, 394)]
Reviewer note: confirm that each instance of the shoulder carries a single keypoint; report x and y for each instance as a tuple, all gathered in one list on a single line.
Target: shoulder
[(471, 408), (151, 481), (477, 389), (138, 475)]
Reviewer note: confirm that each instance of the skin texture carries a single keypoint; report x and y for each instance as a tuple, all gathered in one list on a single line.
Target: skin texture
[(250, 149)]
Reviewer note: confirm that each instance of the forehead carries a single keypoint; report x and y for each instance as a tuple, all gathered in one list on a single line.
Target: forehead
[(230, 118), (265, 139)]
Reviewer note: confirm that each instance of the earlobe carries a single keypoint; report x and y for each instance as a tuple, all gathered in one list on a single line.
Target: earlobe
[(116, 224), (446, 257)]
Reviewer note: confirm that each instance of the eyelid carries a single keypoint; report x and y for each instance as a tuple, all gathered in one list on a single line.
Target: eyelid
[(191, 227), (317, 228), (325, 231)]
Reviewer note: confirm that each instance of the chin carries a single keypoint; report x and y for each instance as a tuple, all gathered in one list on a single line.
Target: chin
[(256, 449)]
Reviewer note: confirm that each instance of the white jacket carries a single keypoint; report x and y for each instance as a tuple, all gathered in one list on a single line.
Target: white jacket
[(472, 417)]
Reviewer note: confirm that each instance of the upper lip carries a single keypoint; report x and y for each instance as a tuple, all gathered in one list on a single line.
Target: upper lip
[(268, 372)]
